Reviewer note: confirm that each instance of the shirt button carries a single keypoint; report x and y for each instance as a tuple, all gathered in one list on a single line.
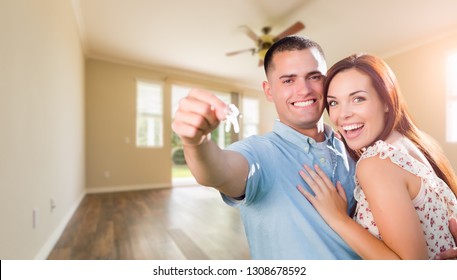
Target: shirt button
[(322, 160)]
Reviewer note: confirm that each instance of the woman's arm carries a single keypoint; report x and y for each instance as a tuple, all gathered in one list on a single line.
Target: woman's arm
[(331, 204), (386, 187)]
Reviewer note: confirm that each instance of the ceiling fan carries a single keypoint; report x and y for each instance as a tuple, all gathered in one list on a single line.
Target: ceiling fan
[(265, 40)]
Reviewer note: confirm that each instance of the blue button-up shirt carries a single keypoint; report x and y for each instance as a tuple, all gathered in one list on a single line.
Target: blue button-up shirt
[(279, 222)]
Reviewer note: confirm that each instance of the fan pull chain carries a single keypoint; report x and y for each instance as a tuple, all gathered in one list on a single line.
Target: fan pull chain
[(232, 119)]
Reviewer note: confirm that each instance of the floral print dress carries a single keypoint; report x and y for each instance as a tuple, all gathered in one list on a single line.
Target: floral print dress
[(435, 203)]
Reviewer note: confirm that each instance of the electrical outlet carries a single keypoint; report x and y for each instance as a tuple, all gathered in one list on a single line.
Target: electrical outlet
[(52, 204), (35, 217)]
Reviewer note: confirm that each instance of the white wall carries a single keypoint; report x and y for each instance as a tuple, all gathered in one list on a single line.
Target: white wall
[(421, 72), (41, 124)]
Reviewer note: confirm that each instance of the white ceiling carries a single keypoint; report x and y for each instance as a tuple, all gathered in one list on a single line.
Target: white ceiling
[(195, 35)]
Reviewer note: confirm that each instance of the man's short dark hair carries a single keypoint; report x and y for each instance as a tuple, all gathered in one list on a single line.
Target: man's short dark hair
[(290, 43)]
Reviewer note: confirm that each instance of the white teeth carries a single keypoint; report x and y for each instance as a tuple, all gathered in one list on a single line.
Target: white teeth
[(303, 103), (352, 126)]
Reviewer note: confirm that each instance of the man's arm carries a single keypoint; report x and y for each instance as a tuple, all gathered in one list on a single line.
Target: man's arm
[(198, 114)]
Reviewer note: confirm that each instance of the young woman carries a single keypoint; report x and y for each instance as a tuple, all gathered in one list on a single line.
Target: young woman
[(405, 186)]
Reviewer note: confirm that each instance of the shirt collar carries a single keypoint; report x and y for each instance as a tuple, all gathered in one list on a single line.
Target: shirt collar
[(302, 141)]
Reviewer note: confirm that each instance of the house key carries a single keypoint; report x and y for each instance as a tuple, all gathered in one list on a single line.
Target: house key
[(232, 119)]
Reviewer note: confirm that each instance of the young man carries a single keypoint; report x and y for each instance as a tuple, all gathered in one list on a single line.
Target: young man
[(260, 174)]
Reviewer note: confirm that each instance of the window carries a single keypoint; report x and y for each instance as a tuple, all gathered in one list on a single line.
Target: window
[(451, 100), (250, 116), (178, 93), (149, 118)]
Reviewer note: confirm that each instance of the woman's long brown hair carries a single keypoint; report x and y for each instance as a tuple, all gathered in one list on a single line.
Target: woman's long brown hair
[(397, 117)]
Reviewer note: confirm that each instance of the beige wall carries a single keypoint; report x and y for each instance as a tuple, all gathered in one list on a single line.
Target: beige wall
[(111, 119), (422, 77), (42, 124)]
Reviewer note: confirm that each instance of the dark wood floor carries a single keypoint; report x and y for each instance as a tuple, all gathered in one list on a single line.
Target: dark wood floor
[(166, 224)]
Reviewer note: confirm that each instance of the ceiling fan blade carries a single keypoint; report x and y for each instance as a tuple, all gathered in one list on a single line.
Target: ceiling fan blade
[(241, 51), (251, 34), (296, 27)]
